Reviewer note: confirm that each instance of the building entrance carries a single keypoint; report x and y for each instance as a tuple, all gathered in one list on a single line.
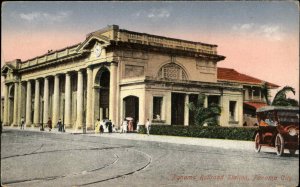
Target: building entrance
[(104, 95), (177, 115), (131, 106)]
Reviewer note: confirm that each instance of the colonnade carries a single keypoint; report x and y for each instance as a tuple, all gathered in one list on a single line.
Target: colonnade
[(56, 97)]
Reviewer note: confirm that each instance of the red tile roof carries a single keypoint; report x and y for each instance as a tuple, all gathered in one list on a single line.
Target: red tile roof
[(255, 105), (226, 74)]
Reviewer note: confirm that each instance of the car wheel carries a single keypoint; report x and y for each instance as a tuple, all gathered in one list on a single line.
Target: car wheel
[(279, 144), (257, 145), (292, 151)]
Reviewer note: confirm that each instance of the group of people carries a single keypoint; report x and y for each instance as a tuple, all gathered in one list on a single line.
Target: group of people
[(104, 125), (126, 126), (129, 126), (60, 125)]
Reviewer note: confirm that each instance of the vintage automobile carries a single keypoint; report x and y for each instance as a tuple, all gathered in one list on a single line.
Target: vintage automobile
[(279, 128)]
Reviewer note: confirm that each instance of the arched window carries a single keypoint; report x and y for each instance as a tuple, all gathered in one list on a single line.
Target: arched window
[(172, 71)]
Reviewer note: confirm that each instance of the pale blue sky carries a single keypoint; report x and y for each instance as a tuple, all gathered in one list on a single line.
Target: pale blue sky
[(142, 16)]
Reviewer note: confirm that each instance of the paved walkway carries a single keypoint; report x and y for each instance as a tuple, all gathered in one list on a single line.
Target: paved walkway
[(218, 143)]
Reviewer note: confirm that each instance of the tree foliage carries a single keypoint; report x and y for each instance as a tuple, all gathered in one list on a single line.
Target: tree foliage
[(204, 115), (280, 98)]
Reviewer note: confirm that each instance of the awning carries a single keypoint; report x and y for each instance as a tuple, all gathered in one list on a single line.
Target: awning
[(254, 105)]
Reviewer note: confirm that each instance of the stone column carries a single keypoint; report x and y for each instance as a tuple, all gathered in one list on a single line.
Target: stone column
[(5, 114), (112, 92), (20, 104), (28, 105), (36, 115), (15, 115), (68, 101), (260, 99), (46, 101), (89, 103), (142, 108), (186, 110), (205, 101), (55, 114), (79, 100)]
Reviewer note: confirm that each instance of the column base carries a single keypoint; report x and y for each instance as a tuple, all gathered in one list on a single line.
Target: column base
[(36, 125), (90, 128), (68, 126), (5, 124), (78, 126), (14, 125), (28, 124)]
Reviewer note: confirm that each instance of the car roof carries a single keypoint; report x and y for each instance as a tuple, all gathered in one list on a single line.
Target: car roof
[(271, 108)]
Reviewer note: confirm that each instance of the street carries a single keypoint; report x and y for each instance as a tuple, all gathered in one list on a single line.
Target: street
[(31, 158)]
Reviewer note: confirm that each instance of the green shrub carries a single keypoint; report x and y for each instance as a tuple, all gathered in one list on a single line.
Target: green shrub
[(219, 132)]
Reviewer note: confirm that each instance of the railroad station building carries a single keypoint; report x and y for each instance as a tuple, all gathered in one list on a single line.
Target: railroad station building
[(116, 73)]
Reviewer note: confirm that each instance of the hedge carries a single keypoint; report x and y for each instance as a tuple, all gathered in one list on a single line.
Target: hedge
[(219, 132)]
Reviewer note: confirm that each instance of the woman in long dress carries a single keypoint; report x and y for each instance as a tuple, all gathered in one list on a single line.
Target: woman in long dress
[(130, 126), (124, 126)]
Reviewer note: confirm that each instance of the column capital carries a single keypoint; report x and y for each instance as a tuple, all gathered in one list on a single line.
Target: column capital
[(80, 70), (29, 80), (69, 72), (48, 76), (114, 63), (39, 78), (90, 67)]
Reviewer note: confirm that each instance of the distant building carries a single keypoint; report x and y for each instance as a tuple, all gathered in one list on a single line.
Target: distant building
[(116, 73), (252, 92)]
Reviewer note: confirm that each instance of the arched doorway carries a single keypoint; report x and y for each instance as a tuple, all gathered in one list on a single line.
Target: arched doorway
[(131, 108), (11, 104), (103, 80)]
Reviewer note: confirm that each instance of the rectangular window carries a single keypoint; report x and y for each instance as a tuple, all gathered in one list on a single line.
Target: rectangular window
[(232, 110), (256, 92), (157, 107)]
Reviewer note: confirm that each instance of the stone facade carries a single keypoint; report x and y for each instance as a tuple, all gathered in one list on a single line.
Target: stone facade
[(115, 74)]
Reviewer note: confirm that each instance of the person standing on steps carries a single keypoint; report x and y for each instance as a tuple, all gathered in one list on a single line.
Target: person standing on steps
[(22, 122), (97, 126), (148, 126), (59, 125), (124, 126), (49, 124)]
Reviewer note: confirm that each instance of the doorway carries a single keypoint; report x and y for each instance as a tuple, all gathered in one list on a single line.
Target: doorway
[(131, 107), (177, 114)]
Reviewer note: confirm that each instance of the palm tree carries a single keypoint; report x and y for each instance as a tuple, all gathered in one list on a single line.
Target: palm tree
[(204, 115), (280, 98), (266, 92)]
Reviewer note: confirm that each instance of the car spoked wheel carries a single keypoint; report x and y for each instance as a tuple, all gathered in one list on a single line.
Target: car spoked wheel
[(279, 144), (257, 145)]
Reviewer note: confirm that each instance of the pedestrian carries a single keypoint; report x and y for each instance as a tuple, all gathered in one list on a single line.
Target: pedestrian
[(59, 125), (138, 126), (104, 123), (101, 128), (148, 126), (49, 124), (124, 126), (22, 122), (97, 126), (130, 126), (109, 124)]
